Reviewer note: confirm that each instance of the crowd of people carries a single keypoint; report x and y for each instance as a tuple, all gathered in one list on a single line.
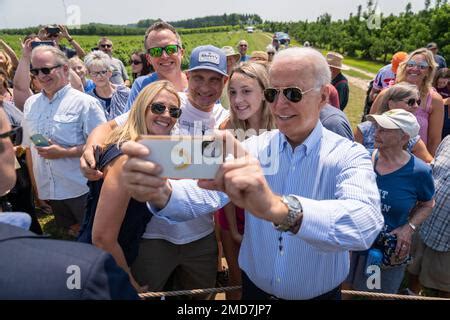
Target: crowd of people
[(302, 207)]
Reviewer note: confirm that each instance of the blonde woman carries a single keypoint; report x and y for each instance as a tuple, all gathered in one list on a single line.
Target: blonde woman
[(419, 69), (114, 222), (400, 96), (249, 115)]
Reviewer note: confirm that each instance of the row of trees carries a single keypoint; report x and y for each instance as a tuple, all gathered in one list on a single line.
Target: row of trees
[(233, 19), (370, 35)]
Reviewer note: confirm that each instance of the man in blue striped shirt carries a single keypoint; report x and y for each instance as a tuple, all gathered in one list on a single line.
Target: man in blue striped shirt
[(310, 195)]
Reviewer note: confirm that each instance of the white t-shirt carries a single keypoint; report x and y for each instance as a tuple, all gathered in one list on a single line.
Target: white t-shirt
[(192, 122)]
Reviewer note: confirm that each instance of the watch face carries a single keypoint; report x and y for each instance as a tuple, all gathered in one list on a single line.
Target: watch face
[(293, 202)]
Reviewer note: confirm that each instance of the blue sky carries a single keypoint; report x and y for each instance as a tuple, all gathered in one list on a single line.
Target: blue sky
[(23, 13)]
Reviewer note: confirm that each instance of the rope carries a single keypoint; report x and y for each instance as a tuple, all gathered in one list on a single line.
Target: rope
[(186, 292), (224, 289), (388, 296)]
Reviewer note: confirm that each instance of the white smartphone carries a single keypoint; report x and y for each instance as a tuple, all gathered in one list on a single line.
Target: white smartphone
[(185, 157)]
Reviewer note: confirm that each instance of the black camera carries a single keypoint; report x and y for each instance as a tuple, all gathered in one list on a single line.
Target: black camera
[(53, 30)]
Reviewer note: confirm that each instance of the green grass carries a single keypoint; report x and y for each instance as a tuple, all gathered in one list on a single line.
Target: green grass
[(370, 66), (355, 105), (357, 74)]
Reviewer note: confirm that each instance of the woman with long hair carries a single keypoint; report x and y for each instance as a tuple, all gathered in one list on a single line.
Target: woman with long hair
[(140, 65), (114, 221), (419, 69), (249, 115)]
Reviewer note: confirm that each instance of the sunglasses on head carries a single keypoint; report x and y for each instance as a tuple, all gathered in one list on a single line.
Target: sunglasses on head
[(293, 94), (158, 51), (136, 62), (421, 65), (15, 135), (46, 71), (106, 45), (159, 108)]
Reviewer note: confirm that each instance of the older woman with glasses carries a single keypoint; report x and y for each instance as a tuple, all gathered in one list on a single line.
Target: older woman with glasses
[(419, 69), (407, 197), (401, 96), (114, 221), (112, 97)]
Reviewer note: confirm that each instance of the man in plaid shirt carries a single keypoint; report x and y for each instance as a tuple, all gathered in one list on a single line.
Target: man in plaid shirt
[(431, 246)]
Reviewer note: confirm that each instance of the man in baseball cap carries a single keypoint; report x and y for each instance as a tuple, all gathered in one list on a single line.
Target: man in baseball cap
[(440, 60), (397, 119)]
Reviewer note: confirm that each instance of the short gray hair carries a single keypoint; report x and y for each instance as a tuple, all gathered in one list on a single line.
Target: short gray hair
[(98, 58), (318, 63), (60, 57)]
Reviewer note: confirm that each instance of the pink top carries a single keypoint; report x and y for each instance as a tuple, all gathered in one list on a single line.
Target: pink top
[(422, 115)]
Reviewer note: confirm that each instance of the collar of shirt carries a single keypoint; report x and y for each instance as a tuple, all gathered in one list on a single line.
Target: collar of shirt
[(60, 93), (310, 142)]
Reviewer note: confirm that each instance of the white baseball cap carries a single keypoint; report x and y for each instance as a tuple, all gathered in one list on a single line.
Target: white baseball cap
[(397, 119)]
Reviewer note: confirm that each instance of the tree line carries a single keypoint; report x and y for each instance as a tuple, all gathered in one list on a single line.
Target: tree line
[(371, 35)]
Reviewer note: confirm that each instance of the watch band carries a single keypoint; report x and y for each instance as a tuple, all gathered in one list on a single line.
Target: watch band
[(414, 227)]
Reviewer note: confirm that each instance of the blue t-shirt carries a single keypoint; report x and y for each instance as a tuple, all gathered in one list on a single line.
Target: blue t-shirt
[(90, 85), (139, 84), (401, 189)]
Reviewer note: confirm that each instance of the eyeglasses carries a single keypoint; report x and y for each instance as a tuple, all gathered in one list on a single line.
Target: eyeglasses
[(35, 71), (422, 65), (106, 45), (136, 62), (15, 135), (412, 102), (157, 52), (159, 108), (98, 73), (293, 94), (270, 53), (242, 45)]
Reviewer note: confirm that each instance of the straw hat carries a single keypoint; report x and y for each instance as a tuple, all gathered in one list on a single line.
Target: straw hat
[(229, 52), (334, 60)]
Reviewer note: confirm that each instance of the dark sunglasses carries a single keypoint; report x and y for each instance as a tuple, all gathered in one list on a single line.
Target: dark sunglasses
[(106, 45), (242, 45), (412, 101), (35, 71), (158, 51), (136, 62), (159, 108), (15, 135), (293, 94)]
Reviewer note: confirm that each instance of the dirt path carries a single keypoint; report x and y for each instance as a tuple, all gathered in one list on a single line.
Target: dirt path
[(360, 83)]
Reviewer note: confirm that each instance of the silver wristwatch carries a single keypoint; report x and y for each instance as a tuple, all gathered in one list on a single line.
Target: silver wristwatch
[(295, 210)]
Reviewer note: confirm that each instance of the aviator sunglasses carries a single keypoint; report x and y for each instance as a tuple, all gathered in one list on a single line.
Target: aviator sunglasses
[(293, 94)]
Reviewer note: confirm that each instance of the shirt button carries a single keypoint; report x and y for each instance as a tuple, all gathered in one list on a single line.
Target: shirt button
[(281, 253), (278, 280)]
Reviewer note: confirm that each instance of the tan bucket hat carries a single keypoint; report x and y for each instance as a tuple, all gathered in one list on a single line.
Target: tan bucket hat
[(334, 60)]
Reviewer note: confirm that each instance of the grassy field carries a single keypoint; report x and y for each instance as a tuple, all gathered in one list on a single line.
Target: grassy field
[(355, 106)]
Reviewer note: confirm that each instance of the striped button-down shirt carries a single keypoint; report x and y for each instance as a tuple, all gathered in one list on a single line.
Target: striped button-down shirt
[(66, 119), (435, 231), (334, 180)]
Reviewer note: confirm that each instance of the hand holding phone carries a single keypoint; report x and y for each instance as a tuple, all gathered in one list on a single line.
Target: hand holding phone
[(35, 44), (185, 157), (39, 140)]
